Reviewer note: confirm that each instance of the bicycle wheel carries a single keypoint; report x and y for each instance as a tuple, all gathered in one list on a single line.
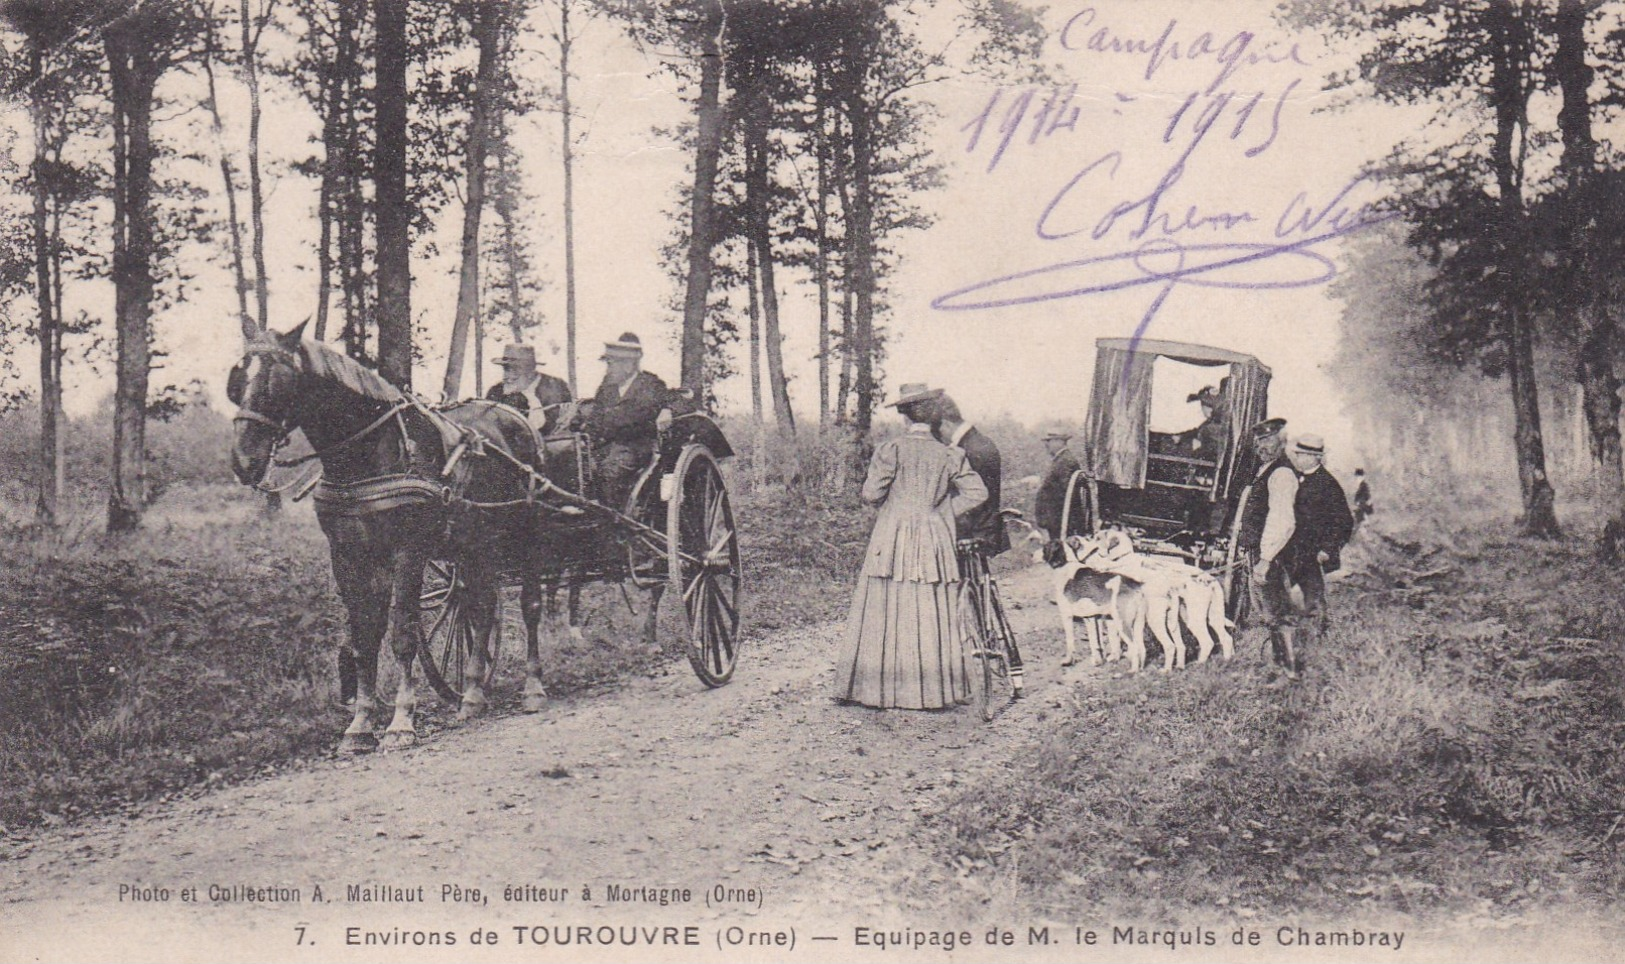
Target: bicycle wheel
[(1003, 637), (985, 649)]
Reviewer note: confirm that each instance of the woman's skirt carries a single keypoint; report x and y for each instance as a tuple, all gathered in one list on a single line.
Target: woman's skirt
[(901, 647)]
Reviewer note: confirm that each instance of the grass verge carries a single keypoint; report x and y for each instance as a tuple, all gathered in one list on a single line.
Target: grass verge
[(202, 649), (1453, 748)]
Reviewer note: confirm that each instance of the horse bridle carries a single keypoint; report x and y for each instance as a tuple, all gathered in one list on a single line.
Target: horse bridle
[(284, 430), (244, 414)]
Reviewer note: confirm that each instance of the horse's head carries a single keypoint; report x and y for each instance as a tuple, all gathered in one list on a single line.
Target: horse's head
[(263, 386)]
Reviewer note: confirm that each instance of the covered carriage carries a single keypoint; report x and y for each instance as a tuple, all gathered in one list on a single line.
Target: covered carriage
[(1175, 493)]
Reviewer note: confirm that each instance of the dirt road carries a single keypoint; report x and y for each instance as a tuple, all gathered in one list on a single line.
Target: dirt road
[(764, 793)]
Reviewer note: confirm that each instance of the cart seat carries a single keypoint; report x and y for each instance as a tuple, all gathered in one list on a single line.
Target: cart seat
[(568, 462)]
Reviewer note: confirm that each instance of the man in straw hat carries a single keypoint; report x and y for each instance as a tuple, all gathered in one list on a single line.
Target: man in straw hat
[(1322, 527), (526, 387), (1050, 502), (625, 418)]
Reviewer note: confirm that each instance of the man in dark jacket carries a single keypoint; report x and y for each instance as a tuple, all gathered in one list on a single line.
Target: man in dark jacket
[(1051, 500), (981, 530), (525, 387), (625, 417), (1323, 526), (982, 523)]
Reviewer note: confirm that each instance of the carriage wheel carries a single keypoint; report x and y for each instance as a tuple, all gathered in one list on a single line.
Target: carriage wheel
[(703, 549), (1237, 569), (448, 633), (1088, 506)]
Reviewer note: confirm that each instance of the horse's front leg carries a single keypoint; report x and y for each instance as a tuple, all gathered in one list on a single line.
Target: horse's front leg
[(365, 593), (405, 636), (531, 604)]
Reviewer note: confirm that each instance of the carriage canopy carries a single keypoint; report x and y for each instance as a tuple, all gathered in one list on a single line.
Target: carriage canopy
[(1117, 431)]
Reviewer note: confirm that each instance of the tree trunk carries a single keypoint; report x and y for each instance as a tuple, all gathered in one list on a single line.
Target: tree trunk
[(754, 311), (1510, 98), (761, 237), (702, 203), (245, 322), (51, 480), (394, 217), (503, 201), (350, 203), (568, 147), (1599, 385), (256, 189), (821, 226), (488, 31), (861, 267), (132, 74)]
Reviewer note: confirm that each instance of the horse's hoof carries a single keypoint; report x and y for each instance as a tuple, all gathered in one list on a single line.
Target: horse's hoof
[(355, 743), (1095, 661), (534, 703), (398, 740), (469, 710), (1069, 661), (577, 635)]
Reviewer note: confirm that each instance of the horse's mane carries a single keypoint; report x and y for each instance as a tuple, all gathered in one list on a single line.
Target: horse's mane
[(325, 363)]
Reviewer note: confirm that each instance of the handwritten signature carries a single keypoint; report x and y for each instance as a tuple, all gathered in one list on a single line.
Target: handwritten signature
[(1289, 260)]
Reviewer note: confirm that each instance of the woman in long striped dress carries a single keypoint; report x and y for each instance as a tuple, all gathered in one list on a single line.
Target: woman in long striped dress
[(902, 648)]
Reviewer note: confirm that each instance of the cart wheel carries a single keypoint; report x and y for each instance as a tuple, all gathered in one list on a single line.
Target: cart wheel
[(1238, 569), (703, 548), (448, 632)]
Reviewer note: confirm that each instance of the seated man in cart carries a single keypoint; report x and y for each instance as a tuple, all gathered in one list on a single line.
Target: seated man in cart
[(627, 413), (542, 397)]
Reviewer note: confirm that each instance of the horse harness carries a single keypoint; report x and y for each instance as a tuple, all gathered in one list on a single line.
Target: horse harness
[(380, 493)]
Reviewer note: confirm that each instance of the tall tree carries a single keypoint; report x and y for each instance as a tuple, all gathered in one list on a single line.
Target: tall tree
[(1511, 49), (567, 149), (487, 21), (44, 29), (252, 23), (702, 229), (394, 211), (141, 41), (1467, 205), (1585, 288)]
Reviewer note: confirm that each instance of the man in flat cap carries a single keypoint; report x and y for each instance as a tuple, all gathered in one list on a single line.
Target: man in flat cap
[(626, 413), (1267, 522), (1322, 527), (526, 387), (1051, 499)]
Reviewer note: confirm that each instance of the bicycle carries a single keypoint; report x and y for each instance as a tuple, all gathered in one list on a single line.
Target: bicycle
[(990, 644)]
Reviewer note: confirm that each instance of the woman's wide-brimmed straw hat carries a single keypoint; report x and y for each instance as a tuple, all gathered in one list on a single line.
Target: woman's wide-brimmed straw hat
[(915, 392)]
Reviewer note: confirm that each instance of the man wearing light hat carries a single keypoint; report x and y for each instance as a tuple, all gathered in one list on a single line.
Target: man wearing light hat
[(625, 417), (1322, 525), (1050, 502), (525, 387)]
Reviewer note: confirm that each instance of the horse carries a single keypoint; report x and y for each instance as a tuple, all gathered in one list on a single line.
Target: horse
[(399, 484)]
